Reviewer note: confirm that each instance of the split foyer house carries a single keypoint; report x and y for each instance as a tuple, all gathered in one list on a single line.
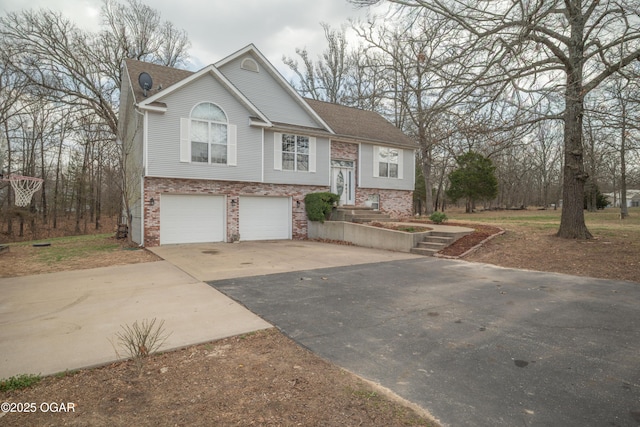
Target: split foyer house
[(229, 152)]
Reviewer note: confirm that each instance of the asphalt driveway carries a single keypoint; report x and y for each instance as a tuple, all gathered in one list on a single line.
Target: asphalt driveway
[(475, 345)]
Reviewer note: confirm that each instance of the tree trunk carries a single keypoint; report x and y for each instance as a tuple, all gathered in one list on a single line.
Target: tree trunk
[(572, 225), (624, 210), (81, 198), (44, 183), (426, 173), (56, 186), (98, 194), (9, 189)]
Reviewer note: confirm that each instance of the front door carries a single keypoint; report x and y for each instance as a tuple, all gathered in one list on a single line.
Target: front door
[(343, 181)]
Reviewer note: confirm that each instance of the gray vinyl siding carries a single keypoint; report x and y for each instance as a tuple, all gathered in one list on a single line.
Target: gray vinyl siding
[(367, 180), (320, 177), (136, 222), (164, 135), (131, 132), (267, 94)]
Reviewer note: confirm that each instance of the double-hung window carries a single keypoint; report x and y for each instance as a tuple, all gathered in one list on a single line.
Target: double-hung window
[(207, 137), (387, 162), (294, 153)]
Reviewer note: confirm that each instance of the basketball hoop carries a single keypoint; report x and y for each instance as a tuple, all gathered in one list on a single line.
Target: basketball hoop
[(24, 187)]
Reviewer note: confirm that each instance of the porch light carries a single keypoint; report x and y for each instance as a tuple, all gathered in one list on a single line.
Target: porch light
[(152, 201)]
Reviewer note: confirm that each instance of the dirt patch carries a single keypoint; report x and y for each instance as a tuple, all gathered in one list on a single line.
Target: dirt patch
[(263, 379), (530, 242), (608, 257)]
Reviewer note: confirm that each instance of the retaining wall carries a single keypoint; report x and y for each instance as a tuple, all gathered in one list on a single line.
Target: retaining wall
[(365, 235)]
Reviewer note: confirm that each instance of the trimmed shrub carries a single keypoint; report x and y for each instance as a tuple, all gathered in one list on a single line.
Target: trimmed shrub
[(319, 205), (438, 217)]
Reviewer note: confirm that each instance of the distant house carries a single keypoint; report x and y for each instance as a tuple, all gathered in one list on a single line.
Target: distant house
[(633, 199), (229, 152)]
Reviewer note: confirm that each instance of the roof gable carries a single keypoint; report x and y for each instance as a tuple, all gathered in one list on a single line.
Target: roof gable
[(167, 80), (264, 64)]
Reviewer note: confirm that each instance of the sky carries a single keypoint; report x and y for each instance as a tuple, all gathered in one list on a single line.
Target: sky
[(218, 28)]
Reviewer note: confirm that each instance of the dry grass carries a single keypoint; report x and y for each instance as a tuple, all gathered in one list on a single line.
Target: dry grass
[(530, 243)]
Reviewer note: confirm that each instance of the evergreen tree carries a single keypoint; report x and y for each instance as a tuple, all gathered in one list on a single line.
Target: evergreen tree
[(474, 180)]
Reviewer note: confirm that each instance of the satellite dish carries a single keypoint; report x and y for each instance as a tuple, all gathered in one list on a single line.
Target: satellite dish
[(145, 81)]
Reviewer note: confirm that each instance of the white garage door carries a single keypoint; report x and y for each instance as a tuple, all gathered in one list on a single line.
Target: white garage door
[(265, 218), (191, 218)]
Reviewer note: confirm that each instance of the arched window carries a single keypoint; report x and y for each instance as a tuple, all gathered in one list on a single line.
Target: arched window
[(208, 134)]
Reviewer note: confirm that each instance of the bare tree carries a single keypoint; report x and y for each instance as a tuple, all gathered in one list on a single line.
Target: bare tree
[(135, 30), (621, 112), (546, 157), (326, 78), (534, 45), (420, 71), (83, 71)]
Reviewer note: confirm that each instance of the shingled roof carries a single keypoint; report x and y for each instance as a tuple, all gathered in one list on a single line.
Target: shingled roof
[(162, 76), (360, 124), (347, 122)]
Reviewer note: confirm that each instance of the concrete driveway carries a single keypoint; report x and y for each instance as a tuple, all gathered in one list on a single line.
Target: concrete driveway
[(216, 261), (475, 345), (63, 321)]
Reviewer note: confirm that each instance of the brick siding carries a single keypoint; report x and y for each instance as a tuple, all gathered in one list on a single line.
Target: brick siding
[(396, 203), (344, 151), (155, 187)]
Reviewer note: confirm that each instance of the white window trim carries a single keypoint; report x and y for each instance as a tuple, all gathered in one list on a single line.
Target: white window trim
[(185, 141), (376, 162), (277, 153)]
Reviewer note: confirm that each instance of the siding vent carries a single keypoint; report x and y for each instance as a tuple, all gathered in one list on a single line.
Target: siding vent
[(249, 65)]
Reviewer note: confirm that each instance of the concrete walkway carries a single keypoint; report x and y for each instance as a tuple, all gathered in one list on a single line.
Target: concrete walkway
[(62, 321)]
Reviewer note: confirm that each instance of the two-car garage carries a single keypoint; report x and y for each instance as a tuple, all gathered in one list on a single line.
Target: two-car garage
[(191, 218)]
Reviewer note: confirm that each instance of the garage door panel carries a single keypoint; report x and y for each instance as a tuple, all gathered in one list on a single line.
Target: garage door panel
[(191, 219), (265, 218)]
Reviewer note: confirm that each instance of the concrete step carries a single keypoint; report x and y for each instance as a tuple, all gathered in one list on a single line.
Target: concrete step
[(365, 220), (431, 245), (438, 239), (369, 216), (357, 214), (423, 251), (445, 234), (434, 242), (353, 208)]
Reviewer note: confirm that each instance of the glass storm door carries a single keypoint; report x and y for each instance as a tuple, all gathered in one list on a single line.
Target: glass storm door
[(342, 181)]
